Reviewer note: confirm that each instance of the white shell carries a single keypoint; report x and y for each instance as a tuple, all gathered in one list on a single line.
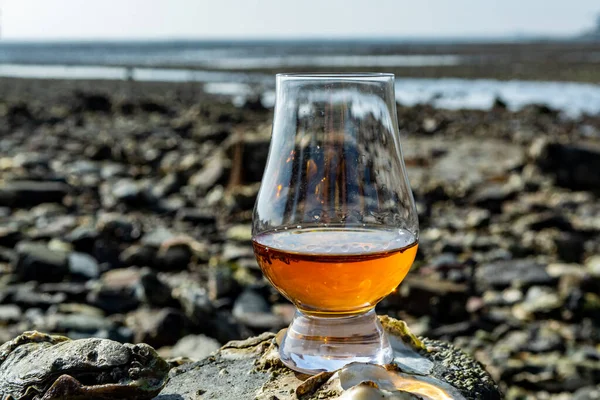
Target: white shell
[(424, 387), (367, 392)]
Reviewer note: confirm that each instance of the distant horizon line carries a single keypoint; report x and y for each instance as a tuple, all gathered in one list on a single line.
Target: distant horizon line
[(442, 38)]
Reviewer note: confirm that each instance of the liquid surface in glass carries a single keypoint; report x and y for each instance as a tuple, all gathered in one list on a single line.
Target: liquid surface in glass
[(335, 271)]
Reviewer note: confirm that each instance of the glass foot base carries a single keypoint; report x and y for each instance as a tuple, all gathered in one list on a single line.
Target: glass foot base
[(315, 344)]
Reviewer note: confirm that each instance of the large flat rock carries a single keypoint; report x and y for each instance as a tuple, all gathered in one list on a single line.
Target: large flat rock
[(463, 162), (251, 369)]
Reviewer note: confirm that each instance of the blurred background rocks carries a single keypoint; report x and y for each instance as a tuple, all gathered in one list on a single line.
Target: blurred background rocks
[(127, 216)]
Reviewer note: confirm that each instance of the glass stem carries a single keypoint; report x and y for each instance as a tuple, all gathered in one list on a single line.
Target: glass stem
[(315, 344)]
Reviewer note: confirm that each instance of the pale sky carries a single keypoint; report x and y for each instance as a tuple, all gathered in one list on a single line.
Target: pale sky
[(163, 19)]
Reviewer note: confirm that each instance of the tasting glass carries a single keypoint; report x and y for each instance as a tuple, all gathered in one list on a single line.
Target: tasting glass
[(335, 228)]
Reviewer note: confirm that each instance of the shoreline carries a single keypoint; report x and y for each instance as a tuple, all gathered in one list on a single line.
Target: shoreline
[(584, 73), (570, 98), (548, 60)]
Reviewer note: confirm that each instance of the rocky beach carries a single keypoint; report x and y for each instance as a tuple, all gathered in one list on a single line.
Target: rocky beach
[(125, 214)]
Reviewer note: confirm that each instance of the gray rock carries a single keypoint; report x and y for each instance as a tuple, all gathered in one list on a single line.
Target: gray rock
[(197, 216), (486, 243), (501, 274), (544, 339), (175, 257), (537, 338), (251, 265), (508, 345), (170, 205), (477, 218), (127, 192), (173, 252), (213, 132), (212, 172), (45, 363), (77, 322), (251, 369), (233, 252), (119, 228), (21, 194), (590, 131), (498, 254), (82, 321), (446, 261), (443, 300), (450, 331), (587, 393), (153, 291), (9, 313), (168, 185), (74, 291), (195, 302), (34, 317), (592, 265), (113, 170), (224, 327), (221, 283), (28, 298), (574, 166), (139, 256), (163, 327), (76, 308), (83, 167), (557, 270), (52, 227), (48, 210), (115, 292), (36, 262), (511, 296), (121, 334), (468, 162), (492, 196), (249, 302), (157, 237), (252, 310), (31, 160), (83, 265), (219, 380), (82, 238), (196, 347), (239, 233), (539, 301), (240, 198), (550, 372), (538, 222)]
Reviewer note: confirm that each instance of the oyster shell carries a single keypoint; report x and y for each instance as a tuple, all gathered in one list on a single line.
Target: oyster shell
[(36, 366)]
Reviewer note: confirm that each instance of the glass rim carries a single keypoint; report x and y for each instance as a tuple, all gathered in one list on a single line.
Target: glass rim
[(335, 75)]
